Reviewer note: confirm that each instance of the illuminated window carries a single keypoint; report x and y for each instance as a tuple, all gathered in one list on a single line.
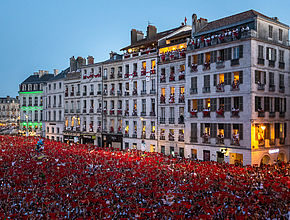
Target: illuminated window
[(207, 57), (72, 121), (172, 90), (207, 103), (236, 76), (181, 90), (194, 104), (153, 126), (135, 104), (143, 126), (135, 84), (194, 59), (153, 64), (144, 64), (221, 78), (182, 68), (163, 91)]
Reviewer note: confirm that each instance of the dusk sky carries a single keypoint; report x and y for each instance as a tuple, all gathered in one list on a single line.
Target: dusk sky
[(43, 35)]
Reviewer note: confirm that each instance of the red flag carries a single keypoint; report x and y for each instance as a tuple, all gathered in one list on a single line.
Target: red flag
[(185, 20)]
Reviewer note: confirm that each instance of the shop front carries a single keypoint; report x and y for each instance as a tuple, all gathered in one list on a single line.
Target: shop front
[(88, 138), (114, 141)]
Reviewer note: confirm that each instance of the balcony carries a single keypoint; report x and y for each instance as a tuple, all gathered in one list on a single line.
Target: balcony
[(135, 74), (181, 99), (162, 137), (119, 92), (235, 62), (220, 113), (99, 110), (272, 63), (105, 111), (72, 111), (171, 137), (119, 75), (84, 110), (152, 114), (152, 136), (66, 111), (105, 77), (220, 87), (193, 91), (235, 113), (84, 94), (181, 138), (162, 120), (143, 135), (235, 140), (126, 112), (78, 111), (171, 77), (206, 139), (66, 94), (206, 66), (282, 89), (72, 94), (281, 141), (143, 72), (112, 92), (281, 65), (143, 113), (126, 75), (220, 64), (261, 113), (99, 92), (143, 92), (282, 114), (119, 111), (134, 135), (181, 77), (152, 91), (112, 76), (127, 93), (134, 113), (235, 86), (153, 71), (171, 120), (181, 120), (261, 61), (272, 114), (112, 112), (105, 92), (206, 89), (206, 113), (162, 79), (91, 110), (170, 56), (78, 93), (271, 88), (91, 93), (193, 113), (261, 143), (135, 92), (193, 68), (126, 135), (162, 99), (171, 99), (261, 86), (220, 140), (272, 142)]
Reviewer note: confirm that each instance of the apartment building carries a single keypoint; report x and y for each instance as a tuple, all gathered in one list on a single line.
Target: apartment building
[(9, 111), (31, 102), (53, 108), (237, 90)]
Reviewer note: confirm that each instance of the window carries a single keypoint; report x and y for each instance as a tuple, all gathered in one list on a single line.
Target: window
[(59, 85), (281, 56), (228, 54), (144, 65), (172, 90), (153, 86), (280, 34), (258, 103), (153, 105), (36, 101), (270, 31), (260, 52), (213, 56), (193, 132), (194, 83), (143, 85), (236, 53), (144, 106), (200, 59), (281, 80), (153, 64), (206, 81), (271, 54)]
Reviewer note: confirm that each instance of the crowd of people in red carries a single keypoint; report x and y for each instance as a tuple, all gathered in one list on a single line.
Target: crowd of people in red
[(85, 182)]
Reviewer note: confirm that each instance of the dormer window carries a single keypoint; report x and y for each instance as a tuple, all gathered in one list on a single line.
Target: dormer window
[(280, 34), (29, 87), (270, 31), (23, 87)]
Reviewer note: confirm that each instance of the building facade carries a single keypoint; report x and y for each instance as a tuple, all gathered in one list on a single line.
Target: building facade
[(31, 102), (237, 93), (9, 112), (54, 106)]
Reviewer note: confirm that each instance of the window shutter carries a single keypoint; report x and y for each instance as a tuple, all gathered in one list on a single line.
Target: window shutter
[(277, 130), (193, 130), (241, 104), (229, 53), (241, 132), (213, 104), (189, 61), (215, 79), (227, 131), (199, 105), (277, 105), (213, 130), (267, 53), (265, 78), (228, 104), (241, 77), (201, 129), (266, 104), (285, 130), (284, 110), (188, 105), (267, 131), (241, 51), (256, 76), (256, 103), (275, 55)]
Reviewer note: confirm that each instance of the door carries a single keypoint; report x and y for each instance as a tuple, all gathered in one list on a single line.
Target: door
[(206, 155)]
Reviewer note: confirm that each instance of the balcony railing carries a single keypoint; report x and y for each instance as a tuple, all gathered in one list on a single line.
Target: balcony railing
[(220, 140), (193, 68), (143, 92), (119, 75), (119, 92), (261, 113), (193, 139), (152, 91), (135, 92), (193, 90), (134, 135), (206, 89), (272, 114), (91, 110), (162, 99), (143, 113), (281, 89), (206, 66), (119, 111), (162, 79), (261, 61), (112, 112), (171, 120), (206, 139), (281, 141), (127, 93), (206, 113), (193, 113), (271, 88), (171, 77), (281, 65), (91, 93), (235, 86), (235, 113), (84, 110), (134, 113), (220, 87), (181, 138), (152, 136), (235, 62), (181, 77), (152, 114), (171, 137), (162, 120), (271, 63), (261, 86), (126, 112), (282, 114), (220, 64), (181, 120), (162, 137)]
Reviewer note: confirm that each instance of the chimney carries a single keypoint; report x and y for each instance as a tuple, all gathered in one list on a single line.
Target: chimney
[(40, 73), (136, 36), (197, 24), (151, 32), (112, 54), (73, 65), (55, 71), (80, 62), (90, 60)]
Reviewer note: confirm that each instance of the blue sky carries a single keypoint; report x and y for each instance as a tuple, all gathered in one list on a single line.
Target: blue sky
[(44, 34)]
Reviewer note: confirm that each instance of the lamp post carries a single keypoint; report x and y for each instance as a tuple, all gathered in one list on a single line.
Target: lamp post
[(26, 116)]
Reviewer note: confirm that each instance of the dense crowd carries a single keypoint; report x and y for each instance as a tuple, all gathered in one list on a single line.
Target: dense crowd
[(79, 181)]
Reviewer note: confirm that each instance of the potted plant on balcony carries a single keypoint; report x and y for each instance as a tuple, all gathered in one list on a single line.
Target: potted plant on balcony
[(206, 112), (143, 71), (220, 112), (171, 99), (193, 112), (235, 112), (193, 67)]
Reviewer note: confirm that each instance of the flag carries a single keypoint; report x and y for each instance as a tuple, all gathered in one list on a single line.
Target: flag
[(185, 20)]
